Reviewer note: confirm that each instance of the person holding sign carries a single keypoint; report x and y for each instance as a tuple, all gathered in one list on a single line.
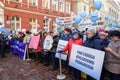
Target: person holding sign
[(74, 40), (46, 47), (112, 59), (92, 41)]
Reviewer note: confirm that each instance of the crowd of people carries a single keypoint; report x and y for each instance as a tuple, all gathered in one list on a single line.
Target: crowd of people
[(108, 41)]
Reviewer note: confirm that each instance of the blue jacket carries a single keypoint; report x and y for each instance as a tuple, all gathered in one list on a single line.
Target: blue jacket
[(94, 43), (66, 37)]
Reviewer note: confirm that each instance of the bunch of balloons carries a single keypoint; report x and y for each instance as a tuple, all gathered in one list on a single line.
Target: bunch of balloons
[(5, 30), (81, 15)]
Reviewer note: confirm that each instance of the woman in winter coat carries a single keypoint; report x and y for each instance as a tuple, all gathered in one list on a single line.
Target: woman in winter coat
[(74, 40), (104, 40), (112, 58), (42, 56), (104, 43), (67, 34)]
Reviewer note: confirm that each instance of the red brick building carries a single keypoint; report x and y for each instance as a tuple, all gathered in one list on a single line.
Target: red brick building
[(29, 14)]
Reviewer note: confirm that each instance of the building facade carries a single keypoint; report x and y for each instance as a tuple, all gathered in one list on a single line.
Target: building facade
[(109, 7), (33, 14), (113, 10)]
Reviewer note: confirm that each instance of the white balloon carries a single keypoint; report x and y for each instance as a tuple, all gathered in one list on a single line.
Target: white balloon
[(23, 30), (8, 22), (49, 19), (45, 17)]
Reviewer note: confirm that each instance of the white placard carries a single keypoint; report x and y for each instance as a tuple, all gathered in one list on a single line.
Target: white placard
[(61, 45), (87, 60), (48, 42)]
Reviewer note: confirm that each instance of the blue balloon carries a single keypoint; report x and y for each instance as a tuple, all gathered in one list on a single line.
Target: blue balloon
[(77, 19), (13, 32), (5, 30), (119, 25), (98, 4), (94, 16), (83, 14), (112, 24), (106, 17), (57, 21)]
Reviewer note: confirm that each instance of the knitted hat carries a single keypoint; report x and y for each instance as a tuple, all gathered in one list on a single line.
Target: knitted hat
[(91, 30), (75, 32), (68, 30), (101, 33)]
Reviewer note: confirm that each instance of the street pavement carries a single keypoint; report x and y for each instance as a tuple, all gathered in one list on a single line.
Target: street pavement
[(14, 68)]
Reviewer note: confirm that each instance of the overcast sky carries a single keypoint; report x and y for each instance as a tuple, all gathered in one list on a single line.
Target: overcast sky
[(116, 0)]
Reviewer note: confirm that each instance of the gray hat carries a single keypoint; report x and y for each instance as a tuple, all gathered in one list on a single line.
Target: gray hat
[(91, 30)]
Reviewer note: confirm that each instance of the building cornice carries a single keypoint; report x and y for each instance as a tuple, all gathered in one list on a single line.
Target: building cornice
[(28, 11)]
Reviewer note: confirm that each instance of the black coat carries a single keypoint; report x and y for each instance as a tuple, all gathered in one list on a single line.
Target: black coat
[(3, 40), (55, 43), (104, 43)]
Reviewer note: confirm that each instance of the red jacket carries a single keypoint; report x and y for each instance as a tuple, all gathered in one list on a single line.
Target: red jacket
[(39, 46), (69, 45)]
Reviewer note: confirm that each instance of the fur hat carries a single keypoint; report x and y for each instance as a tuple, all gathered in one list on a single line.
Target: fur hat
[(114, 33)]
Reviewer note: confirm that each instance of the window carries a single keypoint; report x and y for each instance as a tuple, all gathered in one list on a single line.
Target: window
[(84, 8), (46, 4), (15, 22), (55, 5), (68, 7), (1, 16), (109, 11), (17, 0), (91, 1), (33, 23), (62, 5), (46, 24), (33, 2)]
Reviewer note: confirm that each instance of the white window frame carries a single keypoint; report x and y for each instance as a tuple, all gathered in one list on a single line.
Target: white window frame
[(68, 11), (15, 22), (46, 5), (33, 24), (36, 3), (56, 3), (63, 6), (46, 24), (17, 1)]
